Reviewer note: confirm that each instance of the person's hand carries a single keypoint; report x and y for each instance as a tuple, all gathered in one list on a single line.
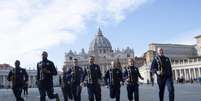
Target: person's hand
[(158, 72), (126, 82), (72, 73), (107, 86), (122, 83), (82, 84)]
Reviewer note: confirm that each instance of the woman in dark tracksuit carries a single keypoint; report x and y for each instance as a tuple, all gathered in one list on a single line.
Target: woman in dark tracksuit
[(131, 75), (65, 82), (114, 79)]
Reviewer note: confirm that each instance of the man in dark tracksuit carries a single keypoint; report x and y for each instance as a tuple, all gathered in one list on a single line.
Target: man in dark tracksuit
[(161, 66), (131, 75), (76, 73), (18, 76), (65, 82), (114, 79), (45, 72), (94, 76)]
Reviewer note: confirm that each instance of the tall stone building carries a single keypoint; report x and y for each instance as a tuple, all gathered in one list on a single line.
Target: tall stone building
[(175, 51), (185, 59)]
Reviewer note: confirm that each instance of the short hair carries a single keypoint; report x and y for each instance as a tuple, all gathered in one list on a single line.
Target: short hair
[(159, 48), (75, 59), (44, 52), (117, 63), (17, 61)]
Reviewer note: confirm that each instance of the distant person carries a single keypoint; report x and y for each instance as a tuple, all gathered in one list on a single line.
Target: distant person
[(191, 80), (16, 76), (25, 88), (151, 78), (65, 83), (148, 81)]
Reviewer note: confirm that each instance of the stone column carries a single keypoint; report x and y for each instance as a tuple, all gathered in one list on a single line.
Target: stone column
[(194, 73), (174, 74), (180, 72), (177, 74), (191, 73), (29, 82), (1, 79), (185, 74), (199, 72), (4, 80)]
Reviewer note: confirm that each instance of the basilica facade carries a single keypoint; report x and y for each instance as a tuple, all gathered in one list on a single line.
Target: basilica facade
[(186, 59), (101, 48)]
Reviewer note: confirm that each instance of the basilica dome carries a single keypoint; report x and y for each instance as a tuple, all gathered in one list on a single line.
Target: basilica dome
[(100, 44)]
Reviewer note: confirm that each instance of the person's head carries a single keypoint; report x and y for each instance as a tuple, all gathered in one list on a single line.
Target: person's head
[(44, 55), (75, 62), (118, 64), (17, 63), (91, 59), (131, 62), (160, 52)]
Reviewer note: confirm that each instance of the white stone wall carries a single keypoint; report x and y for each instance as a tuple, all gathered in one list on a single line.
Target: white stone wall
[(176, 51), (190, 69)]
